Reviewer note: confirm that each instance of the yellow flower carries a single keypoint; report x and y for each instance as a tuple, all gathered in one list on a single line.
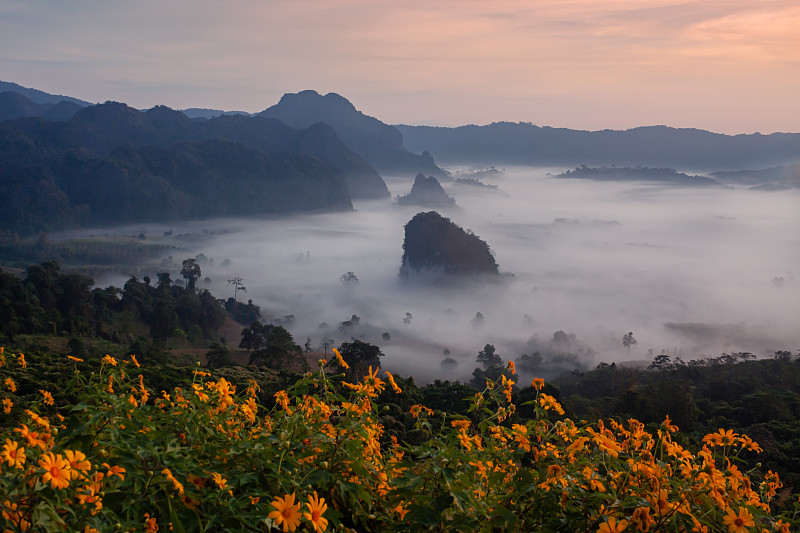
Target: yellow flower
[(283, 399), (286, 514), (512, 367), (134, 361), (48, 398), (75, 359), (109, 360), (13, 454), (316, 508), (340, 360), (150, 524), (219, 480), (612, 526), (641, 518), (57, 470), (537, 383), (77, 462), (175, 483), (7, 405), (395, 388), (21, 360), (548, 402), (738, 524), (10, 385), (115, 471)]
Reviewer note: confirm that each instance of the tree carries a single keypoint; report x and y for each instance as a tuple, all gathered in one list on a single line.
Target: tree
[(660, 362), (190, 271), (359, 356), (218, 356), (238, 285), (628, 340), (488, 358), (272, 346), (164, 280), (349, 280)]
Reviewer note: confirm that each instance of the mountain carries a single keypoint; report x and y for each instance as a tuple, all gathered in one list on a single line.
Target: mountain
[(657, 146), (380, 144), (40, 97), (666, 176), (204, 113), (427, 192), (111, 164), (14, 105), (780, 177), (435, 247)]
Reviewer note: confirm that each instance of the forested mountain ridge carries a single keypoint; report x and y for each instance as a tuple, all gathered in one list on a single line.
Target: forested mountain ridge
[(112, 164), (659, 146)]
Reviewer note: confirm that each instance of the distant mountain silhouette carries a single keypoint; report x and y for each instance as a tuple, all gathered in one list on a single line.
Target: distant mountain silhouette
[(426, 192), (14, 105), (380, 144), (656, 146), (774, 178), (40, 97), (204, 113), (667, 176), (434, 247)]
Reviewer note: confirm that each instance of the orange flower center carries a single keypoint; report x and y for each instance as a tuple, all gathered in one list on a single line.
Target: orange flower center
[(287, 513), (739, 522), (315, 514), (55, 471)]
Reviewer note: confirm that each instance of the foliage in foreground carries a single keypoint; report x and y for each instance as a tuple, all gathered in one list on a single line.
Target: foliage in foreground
[(208, 458)]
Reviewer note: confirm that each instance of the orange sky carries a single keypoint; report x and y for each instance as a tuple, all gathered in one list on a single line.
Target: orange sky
[(725, 65)]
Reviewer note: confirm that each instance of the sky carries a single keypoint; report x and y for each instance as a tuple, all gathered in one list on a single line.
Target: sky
[(730, 66)]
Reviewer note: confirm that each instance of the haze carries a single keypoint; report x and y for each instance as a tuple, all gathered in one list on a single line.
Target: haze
[(731, 66), (690, 271)]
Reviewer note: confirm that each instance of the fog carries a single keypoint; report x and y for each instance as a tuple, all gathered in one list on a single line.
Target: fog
[(692, 271)]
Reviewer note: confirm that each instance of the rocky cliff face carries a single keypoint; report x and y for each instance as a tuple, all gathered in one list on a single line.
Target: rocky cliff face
[(435, 247)]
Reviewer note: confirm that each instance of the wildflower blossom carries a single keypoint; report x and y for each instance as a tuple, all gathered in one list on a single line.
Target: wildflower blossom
[(316, 508), (115, 471), (108, 360), (738, 523), (7, 405), (612, 526), (177, 485), (150, 524), (219, 480), (537, 383), (340, 359), (75, 359), (77, 462), (56, 470), (548, 402), (287, 513), (21, 360), (395, 388), (13, 454), (10, 385), (48, 398)]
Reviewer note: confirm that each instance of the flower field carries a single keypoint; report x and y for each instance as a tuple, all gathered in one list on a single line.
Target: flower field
[(211, 458)]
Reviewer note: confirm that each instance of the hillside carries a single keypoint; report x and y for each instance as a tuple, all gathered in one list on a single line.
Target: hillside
[(111, 164), (510, 143), (436, 248)]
